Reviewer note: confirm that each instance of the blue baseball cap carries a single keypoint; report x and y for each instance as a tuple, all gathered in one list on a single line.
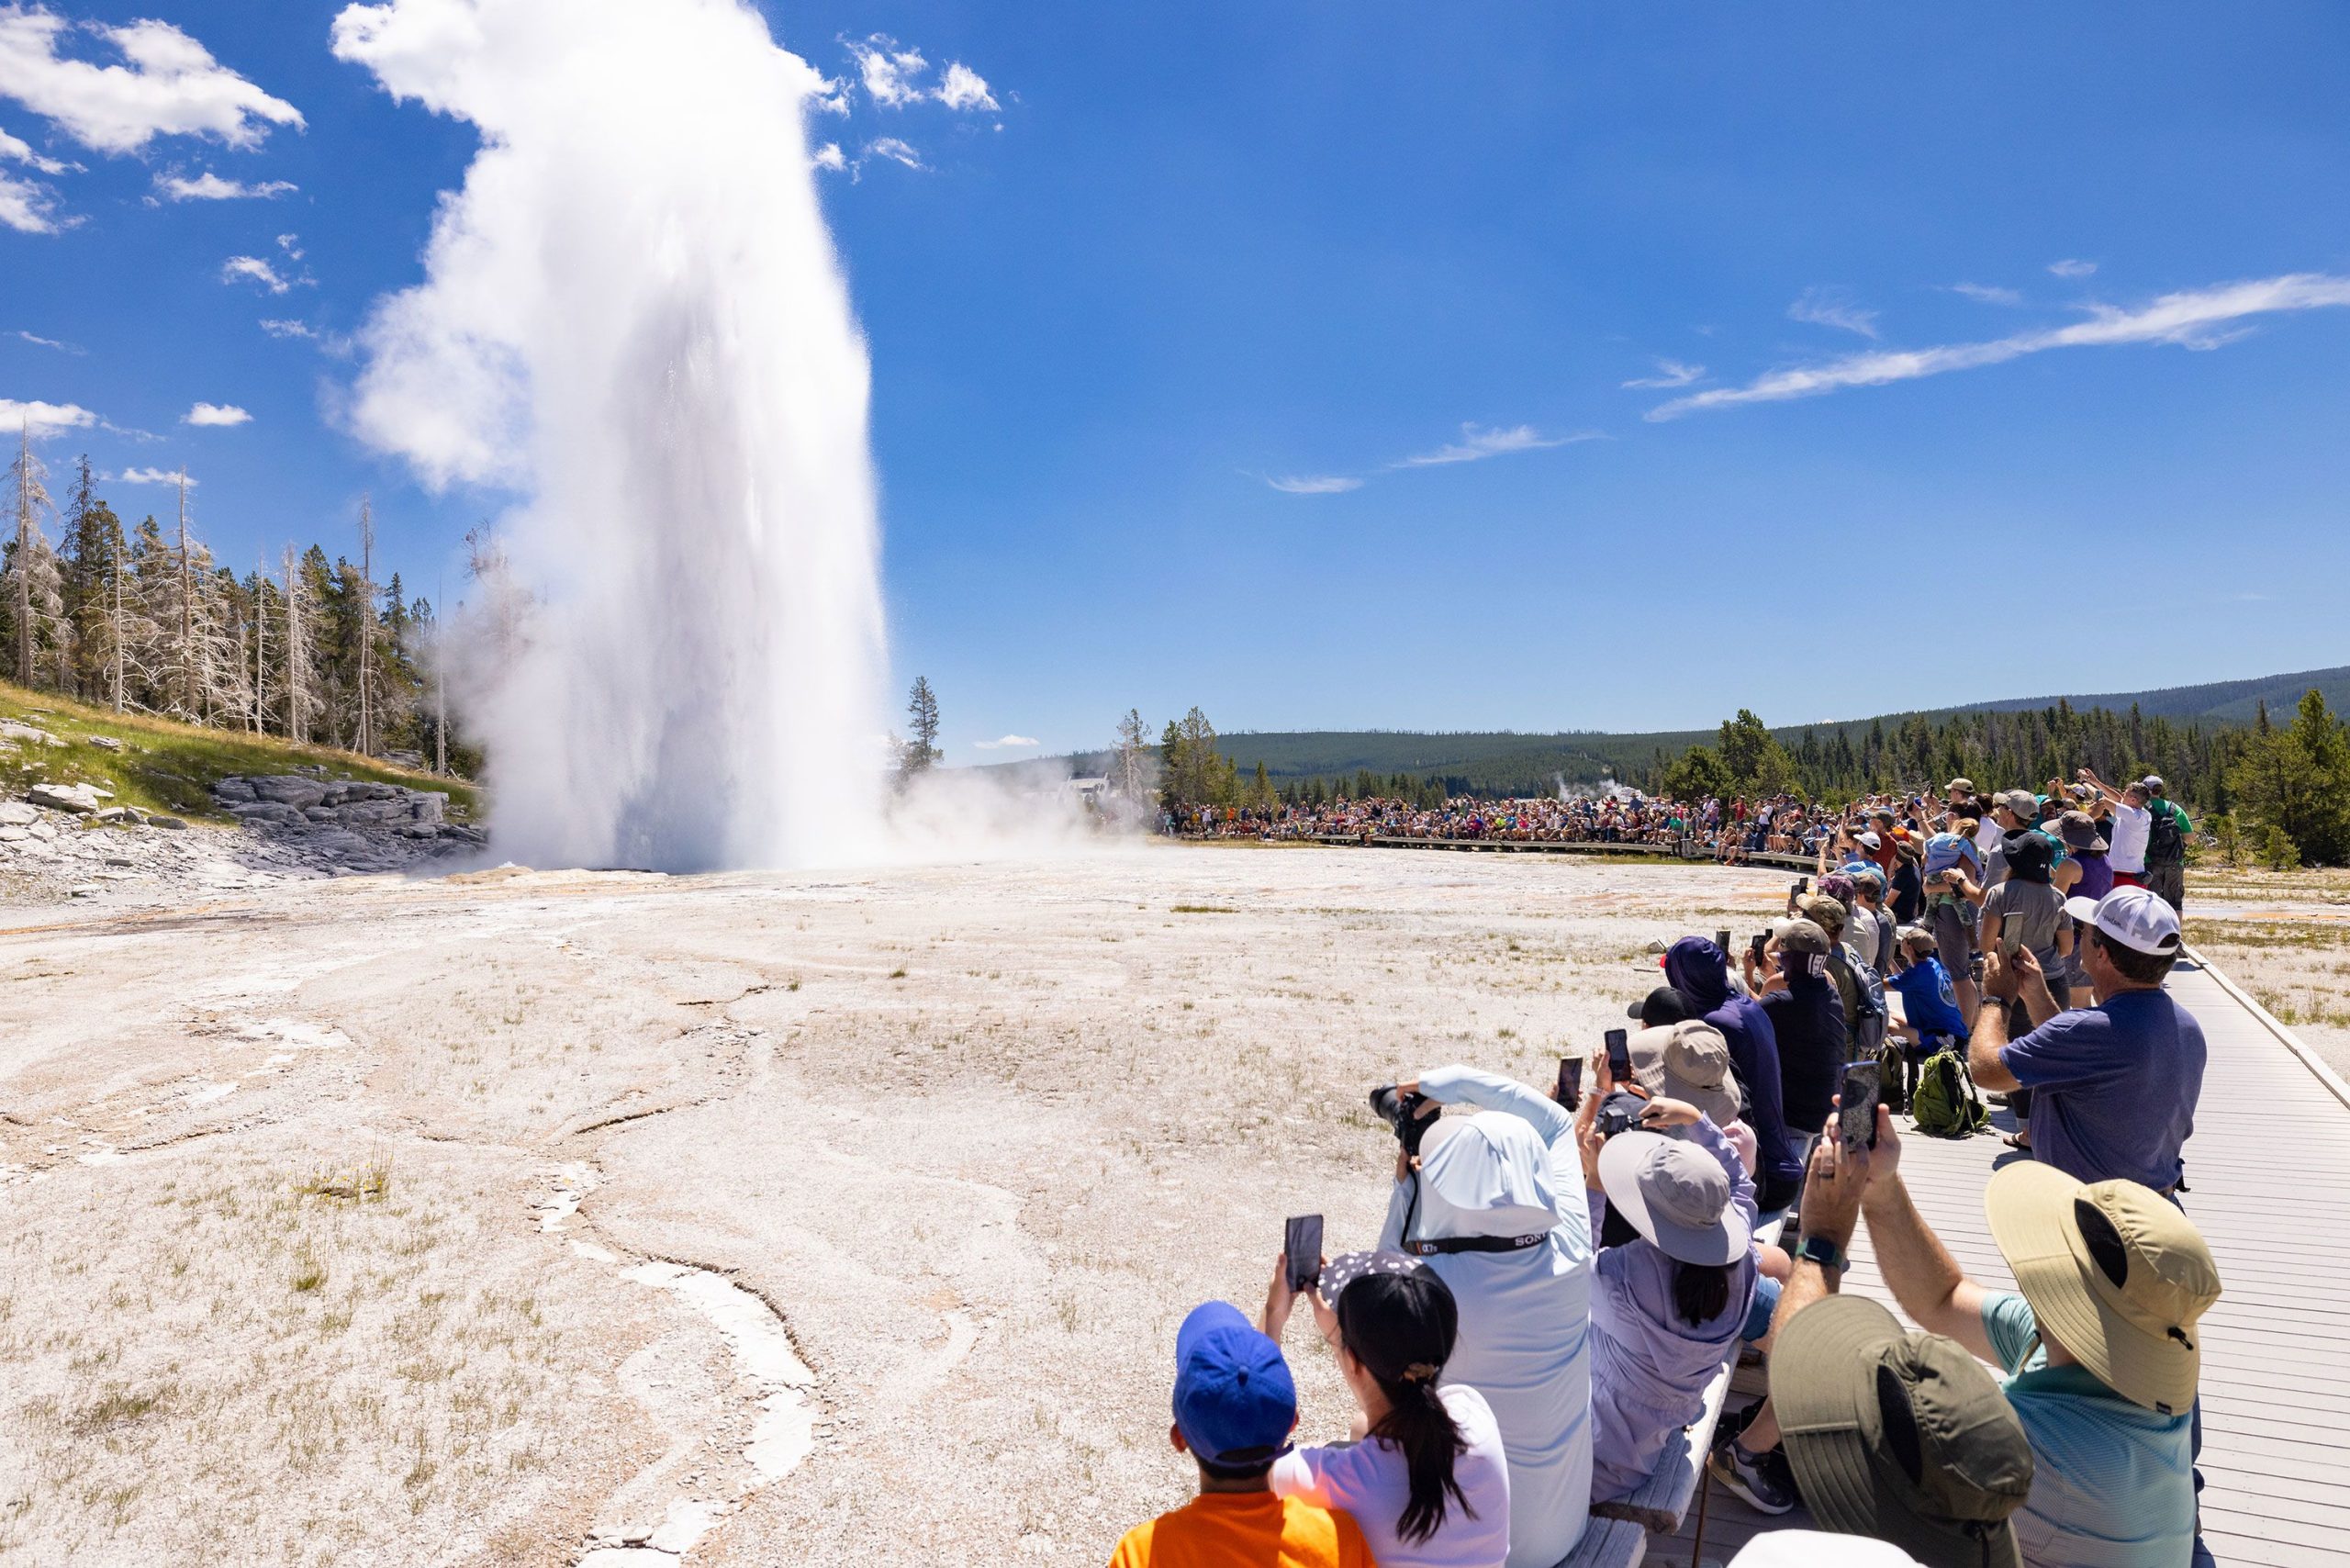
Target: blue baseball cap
[(1234, 1398)]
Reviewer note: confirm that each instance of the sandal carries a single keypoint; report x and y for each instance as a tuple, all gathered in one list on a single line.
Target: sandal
[(2018, 1140)]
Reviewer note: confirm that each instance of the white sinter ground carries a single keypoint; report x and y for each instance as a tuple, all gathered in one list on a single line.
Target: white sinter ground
[(980, 1134)]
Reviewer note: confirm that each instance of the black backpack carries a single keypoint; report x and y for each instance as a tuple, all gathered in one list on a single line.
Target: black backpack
[(2166, 846)]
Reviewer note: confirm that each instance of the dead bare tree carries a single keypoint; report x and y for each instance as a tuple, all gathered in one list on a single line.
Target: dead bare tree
[(367, 747), (34, 566)]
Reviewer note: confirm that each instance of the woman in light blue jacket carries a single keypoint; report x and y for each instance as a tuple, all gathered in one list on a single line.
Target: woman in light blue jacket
[(1492, 1210)]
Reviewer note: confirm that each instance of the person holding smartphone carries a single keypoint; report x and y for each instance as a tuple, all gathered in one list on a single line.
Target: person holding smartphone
[(1668, 1306), (1424, 1475)]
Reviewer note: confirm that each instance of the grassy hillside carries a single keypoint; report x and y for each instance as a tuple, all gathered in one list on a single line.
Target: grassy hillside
[(167, 767)]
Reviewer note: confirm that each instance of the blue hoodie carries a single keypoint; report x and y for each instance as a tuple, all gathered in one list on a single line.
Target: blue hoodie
[(1699, 971)]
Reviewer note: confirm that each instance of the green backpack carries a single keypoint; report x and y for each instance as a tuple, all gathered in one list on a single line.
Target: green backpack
[(1945, 1104)]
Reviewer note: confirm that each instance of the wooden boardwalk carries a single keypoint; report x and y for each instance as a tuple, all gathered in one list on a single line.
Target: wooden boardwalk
[(2269, 1173)]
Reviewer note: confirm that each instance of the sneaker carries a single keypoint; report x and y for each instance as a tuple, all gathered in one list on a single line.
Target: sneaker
[(1751, 1477)]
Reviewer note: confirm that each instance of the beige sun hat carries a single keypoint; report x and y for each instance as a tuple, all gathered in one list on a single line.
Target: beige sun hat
[(2114, 1272), (1689, 1061)]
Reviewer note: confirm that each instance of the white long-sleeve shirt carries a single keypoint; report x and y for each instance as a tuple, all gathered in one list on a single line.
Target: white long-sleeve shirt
[(1524, 1314)]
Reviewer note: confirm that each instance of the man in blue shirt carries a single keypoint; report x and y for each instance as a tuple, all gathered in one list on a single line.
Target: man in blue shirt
[(2114, 1085)]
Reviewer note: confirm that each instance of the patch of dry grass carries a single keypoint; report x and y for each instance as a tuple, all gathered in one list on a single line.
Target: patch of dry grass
[(253, 1329)]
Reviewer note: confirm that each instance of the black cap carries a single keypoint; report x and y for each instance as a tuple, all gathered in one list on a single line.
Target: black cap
[(1663, 1005)]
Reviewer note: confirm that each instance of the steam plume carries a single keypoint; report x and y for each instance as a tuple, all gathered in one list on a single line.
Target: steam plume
[(633, 315)]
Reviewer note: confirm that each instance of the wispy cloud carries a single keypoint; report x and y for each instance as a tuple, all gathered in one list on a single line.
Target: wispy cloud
[(892, 75), (2070, 267), (168, 85), (1833, 307), (282, 327), (253, 269), (41, 418), (209, 186), (2193, 319), (1008, 743), (1669, 373), (215, 414), (28, 206), (895, 151), (149, 476), (830, 156), (1476, 444), (39, 341), (1988, 294), (962, 88)]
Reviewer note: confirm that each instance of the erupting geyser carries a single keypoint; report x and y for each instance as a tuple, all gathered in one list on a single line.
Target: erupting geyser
[(633, 315)]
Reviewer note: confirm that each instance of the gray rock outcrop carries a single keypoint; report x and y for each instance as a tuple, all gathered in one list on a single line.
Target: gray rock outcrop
[(347, 824)]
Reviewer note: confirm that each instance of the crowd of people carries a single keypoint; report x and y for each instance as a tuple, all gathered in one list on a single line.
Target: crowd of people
[(2143, 834), (1564, 1273)]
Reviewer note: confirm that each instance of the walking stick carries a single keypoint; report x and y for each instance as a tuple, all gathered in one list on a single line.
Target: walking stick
[(1705, 1490)]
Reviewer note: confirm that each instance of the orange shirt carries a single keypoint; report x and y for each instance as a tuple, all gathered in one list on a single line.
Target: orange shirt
[(1244, 1530)]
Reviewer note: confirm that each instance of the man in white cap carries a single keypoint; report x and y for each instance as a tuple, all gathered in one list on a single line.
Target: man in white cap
[(2114, 1086), (1494, 1205)]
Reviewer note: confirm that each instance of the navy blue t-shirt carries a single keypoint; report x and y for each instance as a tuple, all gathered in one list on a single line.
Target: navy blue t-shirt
[(2113, 1087), (1928, 1000)]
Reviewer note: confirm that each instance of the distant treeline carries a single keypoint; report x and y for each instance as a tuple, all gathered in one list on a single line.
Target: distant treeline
[(2280, 789), (144, 618)]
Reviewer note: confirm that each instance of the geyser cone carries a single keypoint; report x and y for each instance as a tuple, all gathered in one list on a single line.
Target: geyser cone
[(633, 312)]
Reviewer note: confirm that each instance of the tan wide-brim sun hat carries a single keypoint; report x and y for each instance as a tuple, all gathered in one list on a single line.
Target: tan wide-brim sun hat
[(2114, 1272), (1898, 1436)]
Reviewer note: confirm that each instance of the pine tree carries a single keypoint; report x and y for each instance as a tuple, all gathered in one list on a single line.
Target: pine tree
[(921, 752)]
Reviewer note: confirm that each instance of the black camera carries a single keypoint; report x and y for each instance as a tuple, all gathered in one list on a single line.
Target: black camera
[(1620, 1113), (1401, 1112)]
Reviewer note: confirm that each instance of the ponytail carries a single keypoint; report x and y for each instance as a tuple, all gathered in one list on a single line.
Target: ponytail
[(1402, 1328), (1417, 1423), (1700, 1292)]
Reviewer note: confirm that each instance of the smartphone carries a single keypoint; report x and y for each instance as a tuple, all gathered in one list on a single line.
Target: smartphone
[(1570, 1093), (1301, 1245), (1620, 1056), (1762, 941), (2010, 937), (1721, 940), (1856, 1105), (1803, 886)]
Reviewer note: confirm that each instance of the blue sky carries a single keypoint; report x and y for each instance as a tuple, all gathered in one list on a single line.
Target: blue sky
[(1156, 341)]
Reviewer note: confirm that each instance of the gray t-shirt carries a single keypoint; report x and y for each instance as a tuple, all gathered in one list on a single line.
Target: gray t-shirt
[(2034, 911)]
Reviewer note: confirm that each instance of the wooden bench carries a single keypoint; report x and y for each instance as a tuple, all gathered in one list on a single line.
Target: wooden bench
[(1660, 1502)]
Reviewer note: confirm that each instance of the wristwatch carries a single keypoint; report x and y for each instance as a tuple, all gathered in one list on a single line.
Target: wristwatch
[(1824, 1252)]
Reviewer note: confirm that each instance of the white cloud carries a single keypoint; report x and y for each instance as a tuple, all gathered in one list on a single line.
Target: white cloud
[(1669, 373), (887, 70), (1833, 307), (17, 149), (897, 151), (41, 418), (1005, 743), (1986, 294), (279, 327), (28, 206), (1314, 484), (960, 87), (148, 476), (830, 156), (254, 270), (2072, 268), (215, 414), (209, 186), (39, 341), (1476, 444), (2193, 319), (168, 85)]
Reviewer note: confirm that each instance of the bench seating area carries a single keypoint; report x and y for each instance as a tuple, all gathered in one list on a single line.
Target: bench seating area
[(1663, 1500)]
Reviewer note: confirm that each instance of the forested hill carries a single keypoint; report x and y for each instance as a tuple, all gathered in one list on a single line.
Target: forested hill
[(1508, 762)]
